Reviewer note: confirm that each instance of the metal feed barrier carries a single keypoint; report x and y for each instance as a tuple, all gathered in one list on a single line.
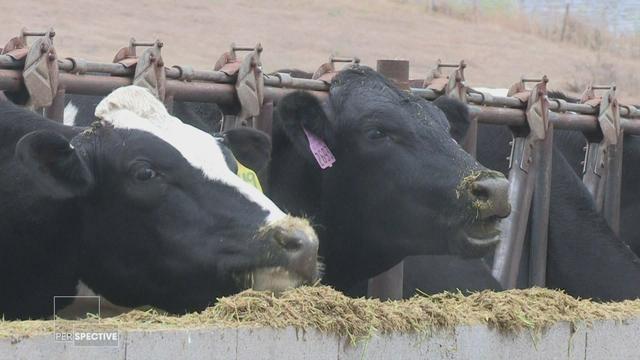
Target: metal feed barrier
[(36, 70)]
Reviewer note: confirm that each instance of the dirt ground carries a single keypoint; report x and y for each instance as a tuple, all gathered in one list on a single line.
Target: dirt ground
[(303, 33)]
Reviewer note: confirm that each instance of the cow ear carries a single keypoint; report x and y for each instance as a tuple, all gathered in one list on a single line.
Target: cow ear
[(301, 116), (457, 114), (251, 147), (54, 164)]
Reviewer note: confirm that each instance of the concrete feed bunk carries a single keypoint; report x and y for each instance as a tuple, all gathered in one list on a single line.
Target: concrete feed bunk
[(321, 323)]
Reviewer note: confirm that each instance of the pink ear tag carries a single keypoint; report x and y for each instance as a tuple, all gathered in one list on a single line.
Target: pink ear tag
[(320, 150)]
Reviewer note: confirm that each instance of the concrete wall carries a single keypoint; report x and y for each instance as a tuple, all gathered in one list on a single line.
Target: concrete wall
[(603, 340)]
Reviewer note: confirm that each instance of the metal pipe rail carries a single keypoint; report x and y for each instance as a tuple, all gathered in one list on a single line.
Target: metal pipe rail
[(81, 66), (215, 86), (579, 122), (555, 105)]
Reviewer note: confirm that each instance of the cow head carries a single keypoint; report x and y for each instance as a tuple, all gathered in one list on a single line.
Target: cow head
[(400, 184), (165, 219)]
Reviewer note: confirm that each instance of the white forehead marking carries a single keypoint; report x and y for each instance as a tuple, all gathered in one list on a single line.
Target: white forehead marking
[(70, 113), (133, 107)]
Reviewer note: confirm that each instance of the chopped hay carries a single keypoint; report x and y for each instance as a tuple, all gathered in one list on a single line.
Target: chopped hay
[(330, 311)]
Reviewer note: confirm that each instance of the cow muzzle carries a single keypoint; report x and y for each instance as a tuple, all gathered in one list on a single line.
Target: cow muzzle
[(487, 193), (294, 240)]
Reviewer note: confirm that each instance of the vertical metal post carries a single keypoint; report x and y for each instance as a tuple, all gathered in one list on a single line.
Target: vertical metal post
[(540, 212), (592, 177), (471, 139), (264, 120), (56, 110), (611, 205), (513, 229), (524, 168), (603, 162), (388, 285)]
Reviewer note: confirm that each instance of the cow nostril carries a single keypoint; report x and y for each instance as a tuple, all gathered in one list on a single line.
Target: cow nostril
[(491, 197), (480, 192), (289, 242)]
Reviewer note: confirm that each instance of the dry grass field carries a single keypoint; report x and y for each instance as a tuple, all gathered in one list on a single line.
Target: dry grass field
[(303, 33)]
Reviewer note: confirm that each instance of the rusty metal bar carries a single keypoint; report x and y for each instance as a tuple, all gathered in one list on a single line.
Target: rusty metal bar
[(471, 139), (526, 162), (117, 69), (513, 229), (612, 187), (11, 80), (389, 284), (297, 83), (540, 212), (56, 110), (511, 102)]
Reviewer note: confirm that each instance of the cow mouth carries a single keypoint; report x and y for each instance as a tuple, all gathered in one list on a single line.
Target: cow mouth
[(275, 279), (479, 238)]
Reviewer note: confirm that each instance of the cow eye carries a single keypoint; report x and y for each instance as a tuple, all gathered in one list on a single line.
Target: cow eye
[(145, 174), (375, 134)]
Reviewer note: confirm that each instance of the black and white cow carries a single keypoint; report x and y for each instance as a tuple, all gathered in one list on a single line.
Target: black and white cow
[(386, 181), (142, 208), (585, 258)]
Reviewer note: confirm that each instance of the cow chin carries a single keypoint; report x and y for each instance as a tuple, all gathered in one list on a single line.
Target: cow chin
[(275, 279), (477, 239)]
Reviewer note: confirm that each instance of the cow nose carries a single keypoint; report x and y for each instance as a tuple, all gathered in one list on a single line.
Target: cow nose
[(300, 245), (490, 196)]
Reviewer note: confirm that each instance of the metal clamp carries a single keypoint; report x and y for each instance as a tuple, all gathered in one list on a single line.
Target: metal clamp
[(327, 71), (452, 84), (285, 79), (150, 71), (186, 72), (127, 55), (229, 63), (609, 123), (537, 116), (531, 153), (79, 65), (41, 69), (250, 86), (17, 47)]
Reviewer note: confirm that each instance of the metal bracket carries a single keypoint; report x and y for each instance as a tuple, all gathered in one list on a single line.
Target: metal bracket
[(150, 71), (250, 86), (229, 63), (327, 71), (249, 82), (609, 122), (603, 158), (530, 151), (41, 69), (452, 84), (126, 56), (537, 115)]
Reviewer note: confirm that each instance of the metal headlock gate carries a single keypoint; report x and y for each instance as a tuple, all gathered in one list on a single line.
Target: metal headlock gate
[(36, 70)]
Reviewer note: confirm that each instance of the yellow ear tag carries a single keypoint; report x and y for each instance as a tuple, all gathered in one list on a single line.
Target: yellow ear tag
[(248, 176)]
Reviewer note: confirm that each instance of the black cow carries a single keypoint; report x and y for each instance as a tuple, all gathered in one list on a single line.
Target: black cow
[(571, 143), (143, 209), (399, 185), (585, 258)]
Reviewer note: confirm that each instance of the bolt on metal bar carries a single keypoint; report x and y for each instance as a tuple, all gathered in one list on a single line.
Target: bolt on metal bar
[(335, 59)]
